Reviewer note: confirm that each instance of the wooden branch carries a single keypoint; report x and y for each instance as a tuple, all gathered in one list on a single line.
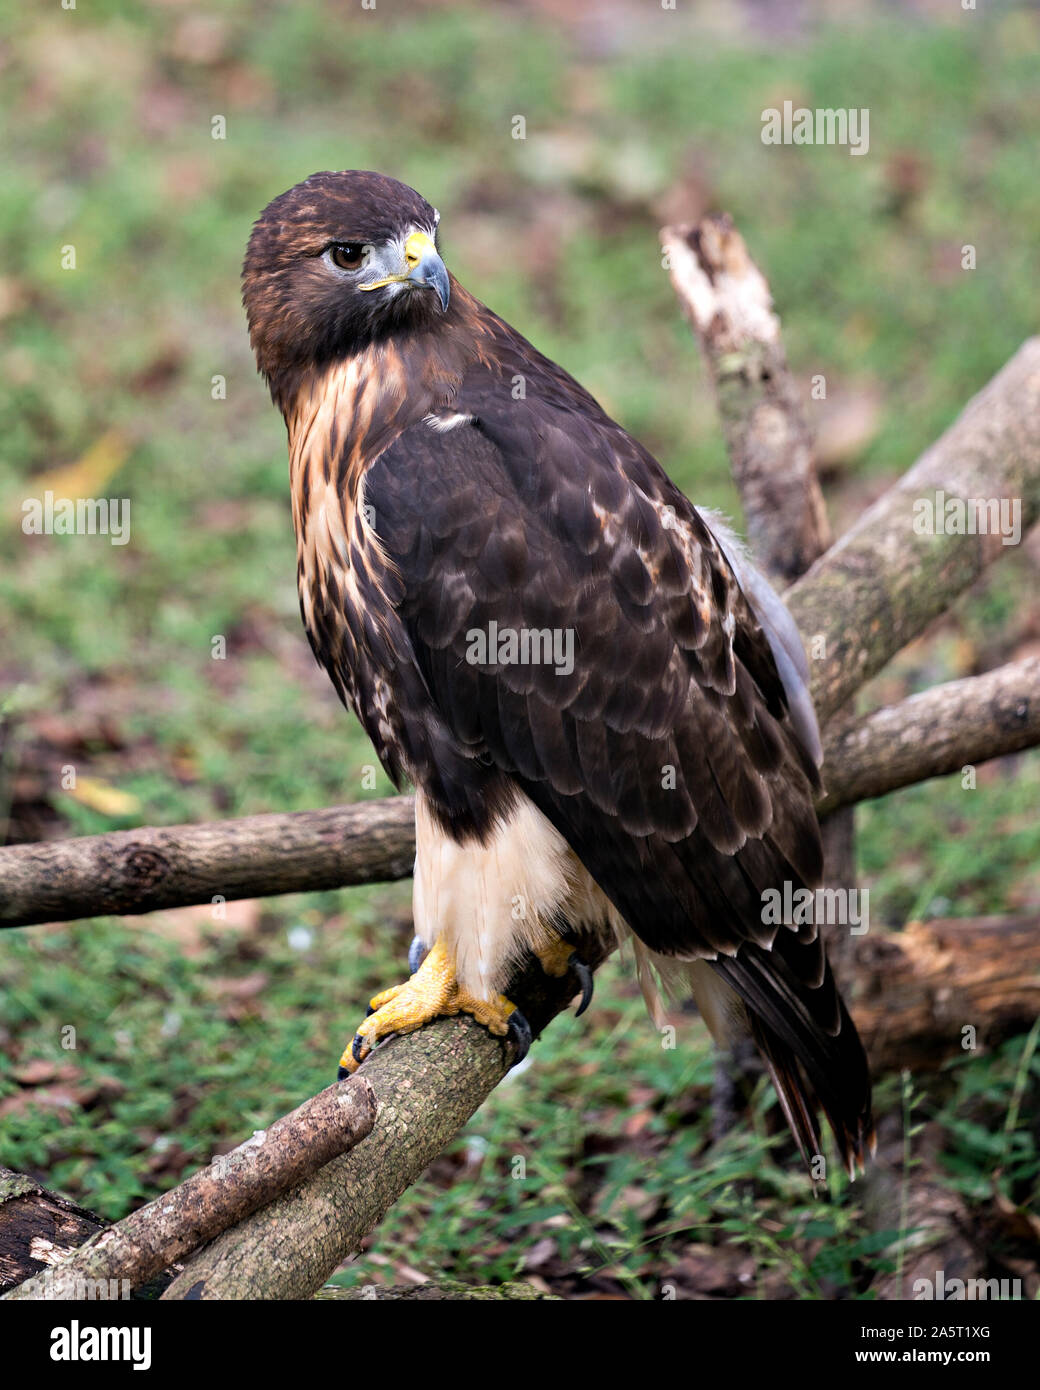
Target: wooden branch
[(427, 1084), (144, 870), (727, 301), (935, 1220), (431, 1081), (212, 1200), (882, 583), (937, 732)]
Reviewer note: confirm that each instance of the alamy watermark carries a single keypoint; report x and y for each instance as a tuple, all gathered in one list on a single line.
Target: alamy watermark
[(100, 1290), (829, 907), (81, 1342), (973, 516), (945, 1290), (525, 646), (77, 516), (823, 126)]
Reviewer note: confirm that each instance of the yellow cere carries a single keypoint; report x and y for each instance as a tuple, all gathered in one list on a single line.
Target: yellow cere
[(416, 247)]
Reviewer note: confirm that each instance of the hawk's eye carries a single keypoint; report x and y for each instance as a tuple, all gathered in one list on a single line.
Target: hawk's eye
[(348, 255)]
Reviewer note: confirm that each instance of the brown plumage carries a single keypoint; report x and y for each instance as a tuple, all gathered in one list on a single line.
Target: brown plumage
[(450, 484)]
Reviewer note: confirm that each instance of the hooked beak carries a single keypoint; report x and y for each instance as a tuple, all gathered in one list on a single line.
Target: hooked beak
[(425, 268)]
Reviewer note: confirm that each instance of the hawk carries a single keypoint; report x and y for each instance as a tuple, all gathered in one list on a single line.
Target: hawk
[(603, 707)]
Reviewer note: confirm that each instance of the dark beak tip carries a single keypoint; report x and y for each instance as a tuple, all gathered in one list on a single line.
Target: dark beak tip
[(432, 274)]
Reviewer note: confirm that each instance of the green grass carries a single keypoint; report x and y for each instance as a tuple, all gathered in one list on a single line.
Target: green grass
[(106, 652)]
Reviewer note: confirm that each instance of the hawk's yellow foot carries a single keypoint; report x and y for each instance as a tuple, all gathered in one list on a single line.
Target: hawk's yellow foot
[(432, 992), (559, 959)]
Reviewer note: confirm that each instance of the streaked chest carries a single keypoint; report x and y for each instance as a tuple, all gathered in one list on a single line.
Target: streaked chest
[(340, 421)]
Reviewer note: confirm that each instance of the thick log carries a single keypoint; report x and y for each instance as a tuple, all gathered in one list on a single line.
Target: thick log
[(936, 990), (158, 1235), (37, 1228)]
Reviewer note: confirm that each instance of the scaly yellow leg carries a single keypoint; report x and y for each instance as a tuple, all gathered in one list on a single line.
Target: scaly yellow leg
[(556, 958), (561, 957), (432, 992)]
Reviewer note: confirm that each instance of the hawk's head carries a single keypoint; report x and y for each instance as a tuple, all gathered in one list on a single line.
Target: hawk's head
[(338, 262)]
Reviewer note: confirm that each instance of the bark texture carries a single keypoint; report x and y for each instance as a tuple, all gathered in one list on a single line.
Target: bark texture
[(144, 870), (882, 583), (37, 1228), (727, 302), (937, 732), (916, 991), (215, 1198), (427, 1084), (928, 735)]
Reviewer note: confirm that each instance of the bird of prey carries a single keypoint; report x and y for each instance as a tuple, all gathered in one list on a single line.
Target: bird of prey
[(602, 706)]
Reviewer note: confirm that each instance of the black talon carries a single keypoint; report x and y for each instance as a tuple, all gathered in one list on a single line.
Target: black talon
[(369, 1011), (584, 974), (356, 1046), (342, 1074), (417, 953), (519, 1035)]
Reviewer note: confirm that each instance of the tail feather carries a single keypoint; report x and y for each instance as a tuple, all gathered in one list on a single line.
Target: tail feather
[(792, 1092), (787, 1000), (808, 1041)]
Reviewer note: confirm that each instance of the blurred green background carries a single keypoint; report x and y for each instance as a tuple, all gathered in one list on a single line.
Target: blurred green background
[(192, 1031)]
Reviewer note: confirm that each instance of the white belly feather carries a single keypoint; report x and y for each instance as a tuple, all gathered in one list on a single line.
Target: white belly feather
[(492, 903)]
